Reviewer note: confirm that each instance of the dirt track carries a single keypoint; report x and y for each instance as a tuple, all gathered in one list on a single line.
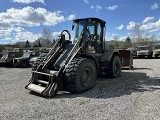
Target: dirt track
[(134, 96)]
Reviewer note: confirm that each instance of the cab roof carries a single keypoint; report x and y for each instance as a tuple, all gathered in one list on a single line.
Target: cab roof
[(102, 22)]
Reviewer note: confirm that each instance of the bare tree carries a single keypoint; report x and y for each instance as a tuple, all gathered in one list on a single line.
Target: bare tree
[(47, 43), (152, 38), (47, 34), (137, 33), (115, 38)]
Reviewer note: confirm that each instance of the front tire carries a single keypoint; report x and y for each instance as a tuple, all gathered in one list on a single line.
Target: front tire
[(81, 75)]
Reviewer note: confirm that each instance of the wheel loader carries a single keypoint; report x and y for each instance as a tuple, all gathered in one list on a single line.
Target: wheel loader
[(74, 67)]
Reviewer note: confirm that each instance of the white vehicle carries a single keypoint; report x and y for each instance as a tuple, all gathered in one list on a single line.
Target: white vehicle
[(144, 51), (156, 51)]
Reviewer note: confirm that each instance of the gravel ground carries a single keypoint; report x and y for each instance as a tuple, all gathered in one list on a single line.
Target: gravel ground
[(133, 96)]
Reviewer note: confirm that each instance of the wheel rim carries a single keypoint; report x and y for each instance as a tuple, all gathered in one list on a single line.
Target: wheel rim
[(86, 77), (116, 67)]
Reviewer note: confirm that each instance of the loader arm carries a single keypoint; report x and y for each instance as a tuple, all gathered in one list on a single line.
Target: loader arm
[(53, 49), (47, 62), (58, 46), (74, 51)]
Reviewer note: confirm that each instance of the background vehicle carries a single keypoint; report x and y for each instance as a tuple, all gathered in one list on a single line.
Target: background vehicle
[(24, 60), (144, 51), (8, 56), (35, 60), (156, 51), (74, 67)]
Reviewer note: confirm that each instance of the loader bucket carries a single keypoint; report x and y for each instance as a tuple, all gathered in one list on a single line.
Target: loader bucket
[(45, 87), (126, 58), (48, 76)]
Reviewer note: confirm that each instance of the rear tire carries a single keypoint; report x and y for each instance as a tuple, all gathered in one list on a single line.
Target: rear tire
[(114, 69), (81, 75)]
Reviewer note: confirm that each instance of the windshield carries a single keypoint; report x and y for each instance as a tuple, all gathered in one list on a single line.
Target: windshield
[(143, 48), (90, 25), (157, 47), (79, 26), (26, 54)]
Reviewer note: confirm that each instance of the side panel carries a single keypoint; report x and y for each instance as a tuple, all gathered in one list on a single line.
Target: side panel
[(107, 55), (108, 52)]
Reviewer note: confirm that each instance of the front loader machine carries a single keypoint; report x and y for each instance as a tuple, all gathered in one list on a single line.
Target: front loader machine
[(75, 67)]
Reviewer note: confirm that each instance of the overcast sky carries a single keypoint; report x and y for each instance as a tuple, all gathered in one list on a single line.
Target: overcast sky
[(22, 20)]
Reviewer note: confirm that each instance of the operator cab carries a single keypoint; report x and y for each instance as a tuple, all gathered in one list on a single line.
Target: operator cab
[(93, 28)]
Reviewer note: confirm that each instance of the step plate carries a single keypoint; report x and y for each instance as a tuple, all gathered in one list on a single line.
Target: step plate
[(43, 82), (36, 88)]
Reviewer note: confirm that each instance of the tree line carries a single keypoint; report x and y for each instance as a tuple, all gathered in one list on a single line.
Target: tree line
[(45, 41), (136, 38)]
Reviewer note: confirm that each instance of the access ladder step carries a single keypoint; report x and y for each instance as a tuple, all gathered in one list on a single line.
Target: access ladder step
[(48, 72), (36, 88), (43, 82), (42, 73)]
